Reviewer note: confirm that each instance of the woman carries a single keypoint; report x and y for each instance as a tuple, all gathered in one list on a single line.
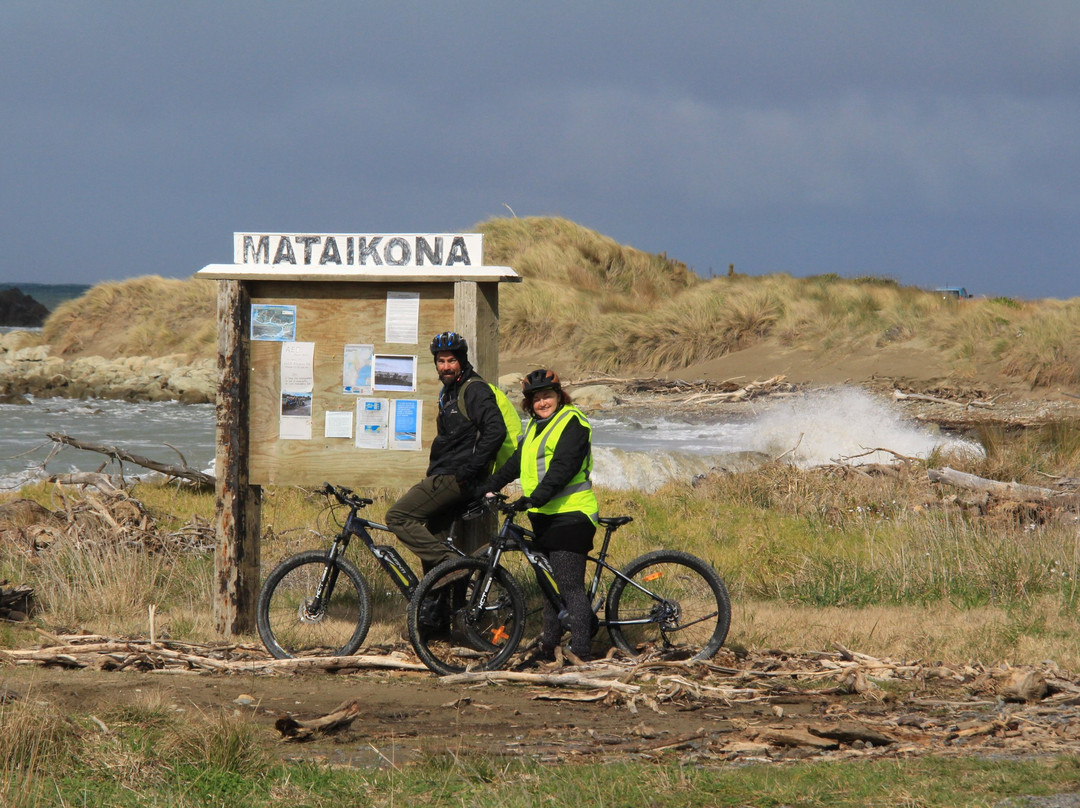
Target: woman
[(553, 461)]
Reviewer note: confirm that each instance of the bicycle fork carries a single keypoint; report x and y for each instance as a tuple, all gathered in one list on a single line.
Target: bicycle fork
[(312, 610)]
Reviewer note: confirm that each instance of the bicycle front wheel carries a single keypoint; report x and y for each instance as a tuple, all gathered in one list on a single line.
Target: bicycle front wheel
[(461, 619), (671, 603), (292, 624)]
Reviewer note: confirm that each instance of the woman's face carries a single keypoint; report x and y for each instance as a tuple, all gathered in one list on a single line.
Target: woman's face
[(544, 403)]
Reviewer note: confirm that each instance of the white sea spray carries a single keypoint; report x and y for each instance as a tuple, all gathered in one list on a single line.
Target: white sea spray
[(845, 425)]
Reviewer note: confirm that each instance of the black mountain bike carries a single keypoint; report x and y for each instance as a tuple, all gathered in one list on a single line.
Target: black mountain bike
[(666, 601), (317, 603)]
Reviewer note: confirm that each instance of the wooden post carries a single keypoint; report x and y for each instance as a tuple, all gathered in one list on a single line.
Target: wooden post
[(237, 516), (476, 315)]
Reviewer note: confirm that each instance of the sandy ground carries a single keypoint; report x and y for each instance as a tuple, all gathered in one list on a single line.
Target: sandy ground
[(760, 707)]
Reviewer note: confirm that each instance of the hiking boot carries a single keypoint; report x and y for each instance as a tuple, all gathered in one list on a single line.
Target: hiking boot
[(433, 614)]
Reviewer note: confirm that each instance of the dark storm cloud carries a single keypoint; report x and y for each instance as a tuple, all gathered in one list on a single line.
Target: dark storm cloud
[(932, 142)]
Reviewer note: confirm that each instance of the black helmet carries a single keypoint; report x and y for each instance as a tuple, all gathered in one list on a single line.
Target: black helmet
[(540, 380), (449, 341)]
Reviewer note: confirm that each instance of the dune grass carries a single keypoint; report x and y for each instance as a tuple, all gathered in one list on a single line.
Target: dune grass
[(611, 308), (146, 316)]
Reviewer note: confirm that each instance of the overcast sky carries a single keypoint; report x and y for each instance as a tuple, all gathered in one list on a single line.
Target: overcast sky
[(932, 142)]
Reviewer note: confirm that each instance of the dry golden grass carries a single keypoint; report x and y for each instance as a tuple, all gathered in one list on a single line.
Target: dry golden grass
[(931, 633), (604, 306), (147, 316)]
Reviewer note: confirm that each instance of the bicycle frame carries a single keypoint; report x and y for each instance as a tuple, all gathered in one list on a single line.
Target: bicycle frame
[(388, 557), (513, 537)]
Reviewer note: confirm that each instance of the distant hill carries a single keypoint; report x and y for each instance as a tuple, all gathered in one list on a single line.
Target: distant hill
[(589, 305), (49, 295)]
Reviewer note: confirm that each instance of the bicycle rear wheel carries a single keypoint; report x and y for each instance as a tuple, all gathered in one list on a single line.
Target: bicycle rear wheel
[(289, 623), (673, 603), (457, 626)]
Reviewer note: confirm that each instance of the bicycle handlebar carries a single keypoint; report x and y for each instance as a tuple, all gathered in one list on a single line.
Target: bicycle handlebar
[(345, 496)]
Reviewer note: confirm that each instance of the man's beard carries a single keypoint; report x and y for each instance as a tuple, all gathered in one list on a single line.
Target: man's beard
[(447, 376)]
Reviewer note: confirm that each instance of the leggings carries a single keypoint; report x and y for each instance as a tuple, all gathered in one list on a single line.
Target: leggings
[(569, 571)]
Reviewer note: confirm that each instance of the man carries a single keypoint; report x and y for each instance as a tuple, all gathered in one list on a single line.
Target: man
[(462, 455)]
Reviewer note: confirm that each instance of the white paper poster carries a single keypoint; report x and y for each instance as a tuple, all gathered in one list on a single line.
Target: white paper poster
[(358, 369), (297, 383), (402, 316), (339, 424), (297, 361), (372, 418), (405, 420)]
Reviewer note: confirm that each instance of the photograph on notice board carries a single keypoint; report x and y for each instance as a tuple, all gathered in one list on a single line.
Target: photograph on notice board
[(295, 415), (395, 373), (357, 372), (372, 420), (405, 423), (273, 323)]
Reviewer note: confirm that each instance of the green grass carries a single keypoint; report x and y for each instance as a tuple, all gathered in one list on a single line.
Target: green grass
[(150, 774)]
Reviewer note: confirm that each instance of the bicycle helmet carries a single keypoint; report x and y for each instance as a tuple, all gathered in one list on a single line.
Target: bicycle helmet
[(540, 380), (449, 341)]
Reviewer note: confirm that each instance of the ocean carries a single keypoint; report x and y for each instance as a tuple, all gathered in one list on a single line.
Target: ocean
[(640, 452)]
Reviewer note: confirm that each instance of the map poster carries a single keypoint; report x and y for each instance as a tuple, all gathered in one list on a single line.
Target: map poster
[(358, 370), (272, 322)]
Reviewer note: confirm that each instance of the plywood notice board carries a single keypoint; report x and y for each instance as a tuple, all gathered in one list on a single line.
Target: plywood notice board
[(332, 315)]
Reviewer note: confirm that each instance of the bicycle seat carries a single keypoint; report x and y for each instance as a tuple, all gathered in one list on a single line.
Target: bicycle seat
[(614, 521)]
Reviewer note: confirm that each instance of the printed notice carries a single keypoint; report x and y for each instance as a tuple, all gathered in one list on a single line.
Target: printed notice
[(405, 423), (358, 369), (339, 424), (402, 316), (372, 417), (273, 323), (395, 373), (297, 383), (297, 361)]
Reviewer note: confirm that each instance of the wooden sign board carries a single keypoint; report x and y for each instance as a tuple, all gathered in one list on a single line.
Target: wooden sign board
[(333, 315)]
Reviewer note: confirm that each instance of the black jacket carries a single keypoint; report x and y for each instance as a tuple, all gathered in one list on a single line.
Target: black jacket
[(466, 447)]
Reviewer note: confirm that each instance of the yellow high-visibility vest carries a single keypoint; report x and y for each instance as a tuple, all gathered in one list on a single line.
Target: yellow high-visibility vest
[(537, 448)]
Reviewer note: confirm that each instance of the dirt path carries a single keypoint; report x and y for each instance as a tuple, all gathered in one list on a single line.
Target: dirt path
[(763, 707)]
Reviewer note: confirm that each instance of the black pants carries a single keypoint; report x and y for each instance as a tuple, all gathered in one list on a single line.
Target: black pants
[(568, 569)]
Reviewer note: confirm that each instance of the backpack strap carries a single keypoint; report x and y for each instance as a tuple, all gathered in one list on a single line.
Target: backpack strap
[(461, 396)]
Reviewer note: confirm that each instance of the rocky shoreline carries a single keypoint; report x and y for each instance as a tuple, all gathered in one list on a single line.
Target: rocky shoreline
[(28, 368)]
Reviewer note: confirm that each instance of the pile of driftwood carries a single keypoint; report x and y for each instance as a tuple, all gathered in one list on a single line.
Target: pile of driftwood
[(1034, 503), (106, 517), (767, 705), (698, 392)]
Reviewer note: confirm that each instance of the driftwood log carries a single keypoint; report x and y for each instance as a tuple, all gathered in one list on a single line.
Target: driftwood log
[(294, 729), (901, 396), (16, 602), (120, 455), (1016, 492)]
